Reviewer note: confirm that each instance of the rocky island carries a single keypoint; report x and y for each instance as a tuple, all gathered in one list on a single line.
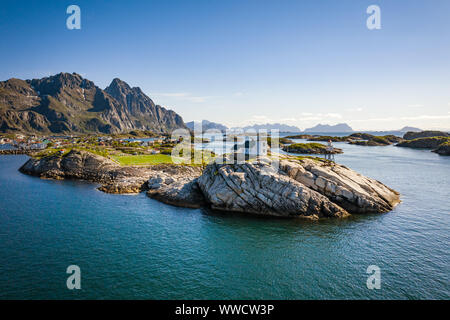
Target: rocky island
[(437, 141), (299, 187), (362, 139), (309, 148)]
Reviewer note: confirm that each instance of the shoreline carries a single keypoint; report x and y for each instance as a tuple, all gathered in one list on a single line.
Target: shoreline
[(307, 188)]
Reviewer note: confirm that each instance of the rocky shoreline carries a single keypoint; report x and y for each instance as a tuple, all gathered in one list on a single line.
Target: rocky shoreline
[(16, 151), (437, 141), (310, 148), (308, 188)]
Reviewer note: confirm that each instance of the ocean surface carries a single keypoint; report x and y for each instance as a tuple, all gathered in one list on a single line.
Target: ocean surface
[(133, 247)]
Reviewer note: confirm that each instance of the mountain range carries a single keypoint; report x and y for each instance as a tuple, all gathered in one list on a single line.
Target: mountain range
[(413, 129), (272, 126), (207, 125), (341, 127), (68, 103)]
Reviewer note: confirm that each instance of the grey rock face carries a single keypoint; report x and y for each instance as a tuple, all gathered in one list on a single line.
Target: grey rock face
[(345, 187), (177, 187), (66, 103), (143, 112), (87, 166), (443, 149), (260, 189), (298, 188)]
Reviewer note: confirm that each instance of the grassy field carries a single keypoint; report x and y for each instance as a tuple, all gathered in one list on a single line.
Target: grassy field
[(150, 159)]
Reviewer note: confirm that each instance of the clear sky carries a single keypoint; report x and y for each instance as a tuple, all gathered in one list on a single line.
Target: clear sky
[(241, 62)]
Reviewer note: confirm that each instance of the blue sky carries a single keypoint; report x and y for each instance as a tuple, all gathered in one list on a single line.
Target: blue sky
[(242, 62)]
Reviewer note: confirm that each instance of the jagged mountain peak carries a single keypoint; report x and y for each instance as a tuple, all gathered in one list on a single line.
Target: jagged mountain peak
[(121, 86), (67, 102), (116, 82)]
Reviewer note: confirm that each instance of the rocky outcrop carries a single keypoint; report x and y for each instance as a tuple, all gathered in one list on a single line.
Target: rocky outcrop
[(424, 143), (410, 135), (310, 148), (309, 188), (361, 139), (443, 149), (172, 184), (343, 186), (177, 186), (371, 140), (87, 166), (260, 189), (144, 113), (328, 138), (300, 136)]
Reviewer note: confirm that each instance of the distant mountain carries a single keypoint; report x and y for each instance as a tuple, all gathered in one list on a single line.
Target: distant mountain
[(207, 125), (341, 127), (411, 129), (67, 103), (271, 126)]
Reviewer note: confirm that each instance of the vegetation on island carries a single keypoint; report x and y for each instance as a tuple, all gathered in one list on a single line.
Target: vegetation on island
[(309, 148), (280, 141), (363, 139), (411, 135), (425, 143)]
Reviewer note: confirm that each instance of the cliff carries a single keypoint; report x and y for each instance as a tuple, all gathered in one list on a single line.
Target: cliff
[(68, 103), (307, 188), (424, 143), (410, 135)]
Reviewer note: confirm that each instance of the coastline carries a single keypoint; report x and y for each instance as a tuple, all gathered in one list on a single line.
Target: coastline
[(300, 188)]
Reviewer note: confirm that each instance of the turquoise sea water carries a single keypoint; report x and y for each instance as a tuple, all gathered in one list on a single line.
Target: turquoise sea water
[(135, 247)]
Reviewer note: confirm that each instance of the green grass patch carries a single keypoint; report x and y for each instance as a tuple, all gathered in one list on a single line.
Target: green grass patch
[(311, 145), (140, 160)]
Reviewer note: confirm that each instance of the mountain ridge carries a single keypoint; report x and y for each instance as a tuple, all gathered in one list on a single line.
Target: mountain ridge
[(69, 103), (340, 127), (207, 125)]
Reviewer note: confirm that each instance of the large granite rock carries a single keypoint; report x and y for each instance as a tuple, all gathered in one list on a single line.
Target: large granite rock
[(260, 189), (310, 148), (424, 143), (343, 186), (177, 186), (297, 188), (87, 166)]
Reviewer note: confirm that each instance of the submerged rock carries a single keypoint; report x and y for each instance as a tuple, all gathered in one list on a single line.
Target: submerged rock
[(260, 189)]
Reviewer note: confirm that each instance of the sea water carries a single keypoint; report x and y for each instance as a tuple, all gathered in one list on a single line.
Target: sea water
[(133, 247)]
